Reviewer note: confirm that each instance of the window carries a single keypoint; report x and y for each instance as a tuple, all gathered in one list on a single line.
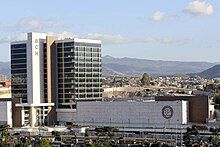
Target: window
[(68, 44), (18, 61), (18, 46), (67, 49), (18, 56), (18, 51), (59, 44), (18, 66), (18, 71)]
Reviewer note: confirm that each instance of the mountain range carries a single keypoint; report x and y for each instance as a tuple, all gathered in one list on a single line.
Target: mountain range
[(112, 66), (136, 67), (211, 73)]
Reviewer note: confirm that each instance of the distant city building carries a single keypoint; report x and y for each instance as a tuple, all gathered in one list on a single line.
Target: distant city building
[(5, 109), (4, 78), (50, 75)]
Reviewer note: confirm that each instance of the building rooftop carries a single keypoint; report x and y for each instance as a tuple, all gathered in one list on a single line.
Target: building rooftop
[(79, 40)]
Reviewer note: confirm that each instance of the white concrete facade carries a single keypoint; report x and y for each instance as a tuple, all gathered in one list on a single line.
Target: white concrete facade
[(35, 68), (6, 113), (35, 72), (129, 114)]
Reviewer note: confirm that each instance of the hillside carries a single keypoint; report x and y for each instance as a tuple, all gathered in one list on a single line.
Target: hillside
[(136, 67), (213, 72), (110, 72)]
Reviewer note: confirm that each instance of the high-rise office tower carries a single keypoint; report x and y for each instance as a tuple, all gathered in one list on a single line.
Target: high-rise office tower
[(50, 75), (28, 60), (79, 71)]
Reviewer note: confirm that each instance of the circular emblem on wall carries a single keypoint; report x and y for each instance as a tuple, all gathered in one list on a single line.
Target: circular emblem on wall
[(167, 112)]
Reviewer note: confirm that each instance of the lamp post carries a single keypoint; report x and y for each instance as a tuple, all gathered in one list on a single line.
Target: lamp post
[(123, 132), (181, 135), (176, 133)]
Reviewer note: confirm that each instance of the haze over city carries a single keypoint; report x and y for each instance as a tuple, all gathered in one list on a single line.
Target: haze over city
[(183, 30)]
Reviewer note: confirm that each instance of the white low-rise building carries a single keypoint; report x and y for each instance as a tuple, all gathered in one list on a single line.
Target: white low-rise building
[(128, 113), (5, 112)]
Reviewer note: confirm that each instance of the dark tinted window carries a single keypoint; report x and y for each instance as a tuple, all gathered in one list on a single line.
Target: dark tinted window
[(18, 61), (68, 44), (18, 46), (18, 56), (18, 51), (18, 71), (19, 66), (59, 44)]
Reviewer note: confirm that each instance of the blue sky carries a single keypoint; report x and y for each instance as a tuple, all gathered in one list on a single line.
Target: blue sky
[(186, 30)]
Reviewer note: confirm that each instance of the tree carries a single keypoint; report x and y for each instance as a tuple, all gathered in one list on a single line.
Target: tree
[(215, 137), (145, 80), (24, 142), (201, 128), (188, 138), (109, 136), (217, 98), (4, 129), (4, 134), (45, 143), (57, 135)]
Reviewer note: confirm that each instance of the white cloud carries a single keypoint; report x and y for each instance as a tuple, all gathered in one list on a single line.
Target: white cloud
[(149, 40), (23, 36), (199, 8), (106, 38), (165, 40), (158, 16), (14, 37), (171, 40), (161, 16), (34, 24), (63, 34)]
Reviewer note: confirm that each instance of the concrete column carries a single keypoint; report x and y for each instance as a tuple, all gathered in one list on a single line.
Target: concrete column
[(33, 115), (22, 116)]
